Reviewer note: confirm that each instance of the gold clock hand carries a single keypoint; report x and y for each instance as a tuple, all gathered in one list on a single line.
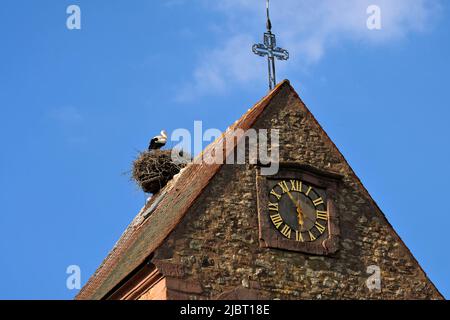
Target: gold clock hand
[(300, 214), (292, 198)]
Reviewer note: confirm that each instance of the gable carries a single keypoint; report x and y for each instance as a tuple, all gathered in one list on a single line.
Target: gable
[(211, 228), (218, 241)]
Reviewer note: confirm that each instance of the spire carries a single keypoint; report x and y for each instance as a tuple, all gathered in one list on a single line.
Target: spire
[(269, 48), (269, 23)]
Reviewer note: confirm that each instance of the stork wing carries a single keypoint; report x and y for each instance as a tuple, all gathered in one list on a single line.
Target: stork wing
[(152, 144)]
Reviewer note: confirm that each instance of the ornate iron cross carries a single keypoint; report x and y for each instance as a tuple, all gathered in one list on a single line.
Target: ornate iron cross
[(269, 48)]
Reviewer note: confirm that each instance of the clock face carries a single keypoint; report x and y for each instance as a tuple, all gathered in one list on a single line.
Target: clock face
[(297, 210)]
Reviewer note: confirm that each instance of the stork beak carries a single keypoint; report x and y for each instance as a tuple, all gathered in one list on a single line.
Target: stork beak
[(164, 134)]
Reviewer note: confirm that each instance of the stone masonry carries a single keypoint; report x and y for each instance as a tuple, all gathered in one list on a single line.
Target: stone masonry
[(217, 242)]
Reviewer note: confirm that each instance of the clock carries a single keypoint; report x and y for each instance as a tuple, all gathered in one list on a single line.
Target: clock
[(296, 210)]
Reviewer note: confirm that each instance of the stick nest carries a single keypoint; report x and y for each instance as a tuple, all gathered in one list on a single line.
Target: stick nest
[(152, 170)]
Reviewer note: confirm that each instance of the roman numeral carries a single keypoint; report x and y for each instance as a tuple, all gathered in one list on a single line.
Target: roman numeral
[(298, 236), (319, 227), (318, 201), (308, 191), (283, 185), (275, 194), (277, 220), (286, 231), (311, 236), (322, 215), (296, 185), (273, 206)]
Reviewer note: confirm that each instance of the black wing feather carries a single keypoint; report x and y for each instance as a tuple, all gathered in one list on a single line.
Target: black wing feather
[(152, 144)]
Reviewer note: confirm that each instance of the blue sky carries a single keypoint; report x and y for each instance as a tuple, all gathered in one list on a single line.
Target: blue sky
[(77, 105)]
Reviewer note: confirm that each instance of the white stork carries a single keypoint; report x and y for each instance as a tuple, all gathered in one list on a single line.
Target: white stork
[(158, 142)]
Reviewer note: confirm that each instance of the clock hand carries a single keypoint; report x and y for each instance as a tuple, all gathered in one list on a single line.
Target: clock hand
[(300, 214), (291, 197), (304, 215)]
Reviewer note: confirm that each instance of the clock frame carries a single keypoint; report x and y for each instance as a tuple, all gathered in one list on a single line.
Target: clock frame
[(323, 183)]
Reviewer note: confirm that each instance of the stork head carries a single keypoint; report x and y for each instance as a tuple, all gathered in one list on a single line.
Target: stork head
[(164, 133)]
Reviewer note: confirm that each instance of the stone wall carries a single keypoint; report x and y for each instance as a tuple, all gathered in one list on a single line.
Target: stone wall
[(217, 242)]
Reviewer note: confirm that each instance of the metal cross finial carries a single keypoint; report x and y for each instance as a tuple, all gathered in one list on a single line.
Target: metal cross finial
[(269, 48)]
